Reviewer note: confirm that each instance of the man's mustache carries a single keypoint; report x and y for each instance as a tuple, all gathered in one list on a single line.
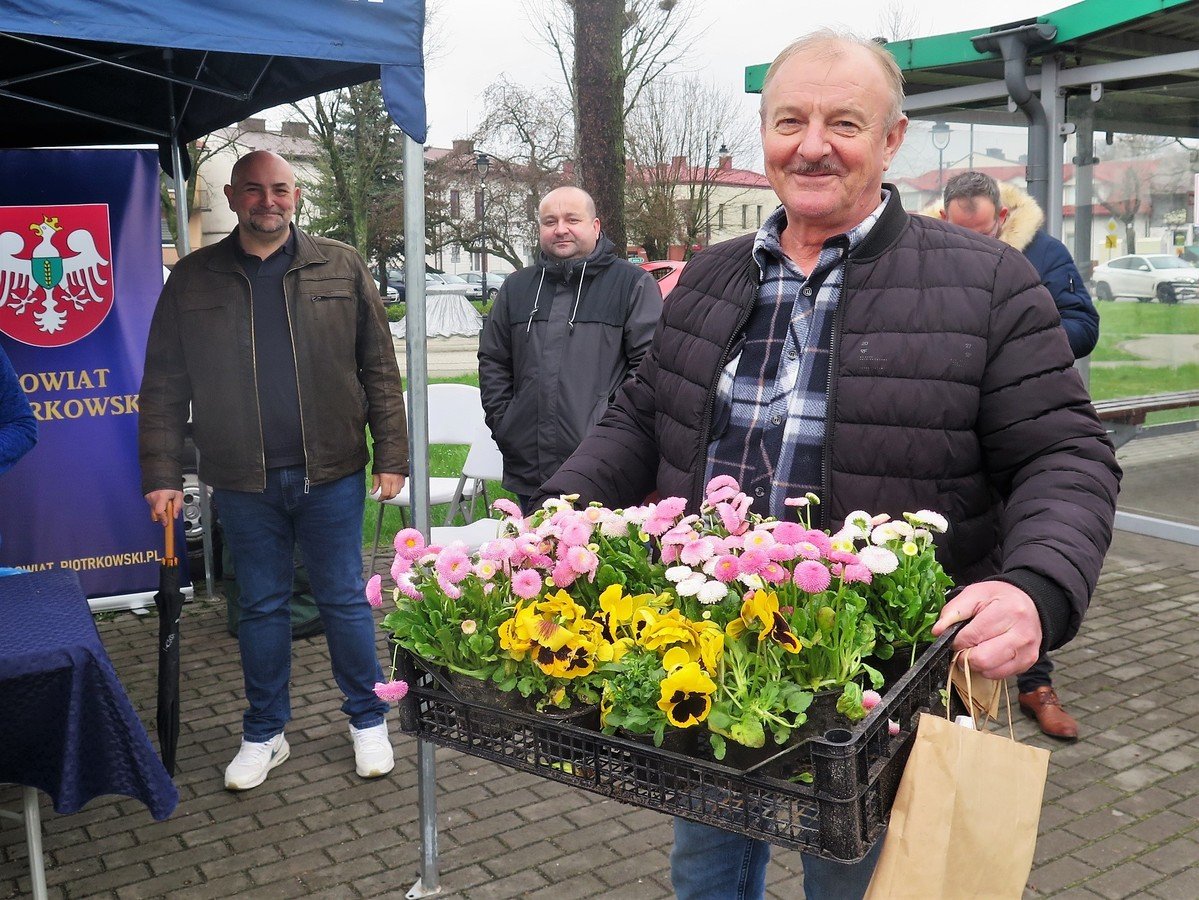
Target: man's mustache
[(820, 168)]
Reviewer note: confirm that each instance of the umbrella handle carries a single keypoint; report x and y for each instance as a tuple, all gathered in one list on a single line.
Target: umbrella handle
[(170, 533)]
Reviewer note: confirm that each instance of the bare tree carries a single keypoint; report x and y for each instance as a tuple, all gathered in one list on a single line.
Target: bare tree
[(676, 137), (654, 36), (198, 152), (896, 21)]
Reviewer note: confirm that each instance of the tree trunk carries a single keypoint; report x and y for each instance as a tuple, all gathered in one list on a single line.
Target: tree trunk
[(599, 83)]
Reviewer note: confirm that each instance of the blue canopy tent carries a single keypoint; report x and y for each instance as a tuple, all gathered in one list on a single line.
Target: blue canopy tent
[(89, 72)]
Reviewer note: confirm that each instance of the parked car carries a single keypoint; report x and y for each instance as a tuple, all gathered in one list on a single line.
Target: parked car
[(435, 283), (475, 280), (1151, 276), (665, 272)]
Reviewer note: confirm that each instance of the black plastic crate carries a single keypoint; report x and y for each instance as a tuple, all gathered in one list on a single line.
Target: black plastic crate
[(840, 815)]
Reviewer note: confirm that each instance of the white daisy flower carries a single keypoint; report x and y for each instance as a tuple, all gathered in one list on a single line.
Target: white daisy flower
[(712, 592), (879, 560), (680, 573)]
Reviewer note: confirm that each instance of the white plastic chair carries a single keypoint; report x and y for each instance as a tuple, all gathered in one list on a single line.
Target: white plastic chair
[(483, 463), (455, 417), (474, 535)]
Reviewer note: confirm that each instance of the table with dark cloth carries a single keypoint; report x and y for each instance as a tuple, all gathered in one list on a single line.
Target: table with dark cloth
[(68, 728)]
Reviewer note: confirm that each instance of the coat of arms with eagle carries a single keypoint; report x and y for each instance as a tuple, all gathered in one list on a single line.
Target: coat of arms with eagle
[(55, 273)]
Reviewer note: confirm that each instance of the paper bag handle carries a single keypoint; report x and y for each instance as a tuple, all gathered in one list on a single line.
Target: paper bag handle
[(964, 655)]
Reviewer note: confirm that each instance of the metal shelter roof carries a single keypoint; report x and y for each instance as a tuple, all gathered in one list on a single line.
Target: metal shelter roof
[(1145, 53)]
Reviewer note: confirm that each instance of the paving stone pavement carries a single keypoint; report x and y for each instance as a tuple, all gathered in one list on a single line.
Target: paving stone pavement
[(1119, 820)]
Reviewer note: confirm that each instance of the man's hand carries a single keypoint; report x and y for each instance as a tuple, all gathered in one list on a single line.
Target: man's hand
[(385, 485), (1005, 631), (158, 501)]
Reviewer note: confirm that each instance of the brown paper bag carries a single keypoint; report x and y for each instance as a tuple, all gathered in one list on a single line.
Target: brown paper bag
[(964, 822), (982, 700)]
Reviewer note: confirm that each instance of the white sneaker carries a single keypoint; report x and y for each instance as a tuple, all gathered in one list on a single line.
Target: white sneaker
[(373, 755), (253, 761)]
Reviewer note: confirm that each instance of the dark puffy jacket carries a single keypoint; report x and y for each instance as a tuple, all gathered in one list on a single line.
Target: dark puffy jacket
[(558, 343), (1023, 230), (952, 389), (201, 351)]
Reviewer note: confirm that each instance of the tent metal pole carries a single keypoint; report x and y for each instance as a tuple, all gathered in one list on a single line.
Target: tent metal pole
[(415, 336), (182, 248)]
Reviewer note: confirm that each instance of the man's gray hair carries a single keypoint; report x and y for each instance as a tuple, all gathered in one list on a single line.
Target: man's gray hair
[(969, 186), (828, 43)]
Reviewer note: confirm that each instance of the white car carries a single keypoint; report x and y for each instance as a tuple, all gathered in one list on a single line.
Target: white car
[(494, 283), (1147, 277)]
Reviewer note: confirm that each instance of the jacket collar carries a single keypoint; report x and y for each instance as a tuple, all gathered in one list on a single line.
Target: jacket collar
[(892, 222), (225, 253), (601, 257)]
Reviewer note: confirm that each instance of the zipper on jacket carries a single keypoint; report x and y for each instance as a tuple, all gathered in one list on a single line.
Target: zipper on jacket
[(705, 423), (254, 372), (826, 452), (291, 334)]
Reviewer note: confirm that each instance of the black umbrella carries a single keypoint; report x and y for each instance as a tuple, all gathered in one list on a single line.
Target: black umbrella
[(169, 601)]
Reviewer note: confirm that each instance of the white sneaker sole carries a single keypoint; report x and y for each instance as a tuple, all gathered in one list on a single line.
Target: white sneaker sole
[(280, 757), (374, 773)]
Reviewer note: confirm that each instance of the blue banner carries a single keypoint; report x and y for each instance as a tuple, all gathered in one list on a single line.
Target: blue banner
[(80, 273)]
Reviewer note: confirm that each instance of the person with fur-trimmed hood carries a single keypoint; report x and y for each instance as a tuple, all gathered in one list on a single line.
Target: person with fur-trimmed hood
[(974, 200)]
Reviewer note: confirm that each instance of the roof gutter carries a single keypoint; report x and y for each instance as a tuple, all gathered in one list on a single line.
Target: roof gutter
[(1013, 44)]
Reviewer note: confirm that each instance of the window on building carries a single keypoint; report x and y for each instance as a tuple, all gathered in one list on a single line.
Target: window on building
[(478, 205), (744, 215), (759, 217), (720, 216), (455, 204)]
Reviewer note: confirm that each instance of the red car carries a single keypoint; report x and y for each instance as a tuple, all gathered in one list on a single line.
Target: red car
[(665, 272)]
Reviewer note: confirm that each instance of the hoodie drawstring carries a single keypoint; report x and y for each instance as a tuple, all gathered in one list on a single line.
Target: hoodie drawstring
[(536, 300), (578, 295)]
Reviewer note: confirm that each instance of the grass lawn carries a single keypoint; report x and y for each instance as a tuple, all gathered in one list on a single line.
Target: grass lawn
[(444, 460)]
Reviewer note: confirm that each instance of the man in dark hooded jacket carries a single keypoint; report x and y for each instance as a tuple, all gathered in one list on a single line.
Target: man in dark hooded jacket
[(562, 337)]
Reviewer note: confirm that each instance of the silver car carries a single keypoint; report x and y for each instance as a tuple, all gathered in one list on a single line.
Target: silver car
[(1148, 276), (475, 279)]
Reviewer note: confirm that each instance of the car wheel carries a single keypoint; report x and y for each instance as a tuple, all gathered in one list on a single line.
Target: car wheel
[(1103, 292), (1165, 293), (492, 293), (193, 530)]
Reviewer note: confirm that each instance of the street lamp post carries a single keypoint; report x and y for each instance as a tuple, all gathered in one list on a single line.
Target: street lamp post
[(482, 164), (940, 137)]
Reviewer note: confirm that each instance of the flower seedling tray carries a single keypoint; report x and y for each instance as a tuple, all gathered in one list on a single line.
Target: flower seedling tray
[(839, 815)]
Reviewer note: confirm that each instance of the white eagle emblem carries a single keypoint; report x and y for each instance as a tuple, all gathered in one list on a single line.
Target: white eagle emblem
[(76, 279)]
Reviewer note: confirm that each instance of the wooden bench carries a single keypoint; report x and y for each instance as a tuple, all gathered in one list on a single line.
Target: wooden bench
[(1125, 416)]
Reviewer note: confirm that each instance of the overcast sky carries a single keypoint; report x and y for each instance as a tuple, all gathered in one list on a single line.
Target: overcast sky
[(484, 39)]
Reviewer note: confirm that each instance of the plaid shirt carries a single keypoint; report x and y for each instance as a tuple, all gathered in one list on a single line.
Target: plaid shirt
[(768, 422)]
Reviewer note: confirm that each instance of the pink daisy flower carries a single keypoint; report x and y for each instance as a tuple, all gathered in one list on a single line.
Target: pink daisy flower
[(409, 543), (731, 518), (811, 577), (582, 560), (697, 552), (721, 489), (753, 561), (892, 727), (774, 573), (871, 699), (855, 573), (453, 565), (788, 532), (507, 507), (726, 569), (782, 553), (575, 532), (526, 584), (374, 591), (407, 588), (448, 588), (400, 566), (563, 575), (391, 691)]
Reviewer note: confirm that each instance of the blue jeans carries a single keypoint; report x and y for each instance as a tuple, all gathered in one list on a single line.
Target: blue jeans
[(262, 529), (708, 863)]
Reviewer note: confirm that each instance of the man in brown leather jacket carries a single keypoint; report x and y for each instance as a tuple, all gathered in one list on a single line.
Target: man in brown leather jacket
[(278, 344)]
